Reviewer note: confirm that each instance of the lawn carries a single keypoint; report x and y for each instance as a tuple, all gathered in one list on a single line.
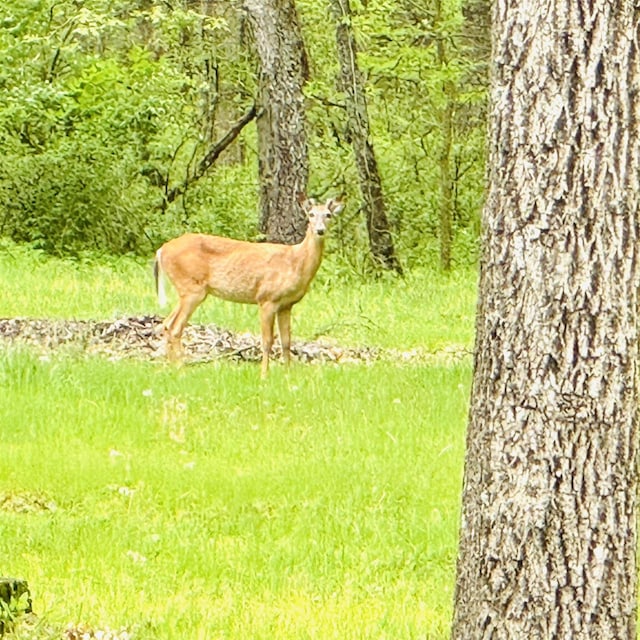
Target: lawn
[(200, 502)]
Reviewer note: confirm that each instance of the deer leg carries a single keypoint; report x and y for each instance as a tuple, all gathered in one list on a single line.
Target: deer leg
[(176, 322), (168, 321), (267, 316), (284, 328), (167, 326)]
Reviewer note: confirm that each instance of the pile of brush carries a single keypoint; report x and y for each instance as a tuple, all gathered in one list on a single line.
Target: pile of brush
[(141, 337)]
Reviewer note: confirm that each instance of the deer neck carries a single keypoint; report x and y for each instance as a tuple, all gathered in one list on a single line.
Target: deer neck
[(310, 252)]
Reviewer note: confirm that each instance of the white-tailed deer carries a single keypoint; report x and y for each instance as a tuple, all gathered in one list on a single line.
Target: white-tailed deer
[(273, 276)]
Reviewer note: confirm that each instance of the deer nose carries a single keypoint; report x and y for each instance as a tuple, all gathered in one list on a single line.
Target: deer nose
[(320, 232)]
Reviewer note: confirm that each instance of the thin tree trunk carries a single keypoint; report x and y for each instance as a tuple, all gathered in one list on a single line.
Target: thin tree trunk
[(548, 531), (283, 162), (380, 239), (477, 33), (444, 157), (446, 183)]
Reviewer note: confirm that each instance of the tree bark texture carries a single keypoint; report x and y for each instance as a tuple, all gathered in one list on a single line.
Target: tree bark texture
[(358, 131), (283, 162), (548, 530)]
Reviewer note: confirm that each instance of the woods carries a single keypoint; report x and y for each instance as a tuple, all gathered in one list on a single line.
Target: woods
[(329, 497), (124, 124)]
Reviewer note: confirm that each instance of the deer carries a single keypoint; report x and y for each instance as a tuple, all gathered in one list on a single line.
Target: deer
[(272, 276)]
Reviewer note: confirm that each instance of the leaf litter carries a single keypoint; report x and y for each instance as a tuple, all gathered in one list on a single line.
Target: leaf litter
[(141, 337)]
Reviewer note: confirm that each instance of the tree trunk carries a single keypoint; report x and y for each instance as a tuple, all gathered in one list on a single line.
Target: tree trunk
[(444, 156), (446, 183), (477, 32), (380, 239), (283, 162), (548, 530)]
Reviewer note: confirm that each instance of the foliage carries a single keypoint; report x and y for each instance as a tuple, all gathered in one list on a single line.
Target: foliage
[(406, 80), (106, 107), (110, 104), (15, 600)]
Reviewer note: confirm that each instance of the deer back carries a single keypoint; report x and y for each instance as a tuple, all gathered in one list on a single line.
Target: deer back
[(236, 270)]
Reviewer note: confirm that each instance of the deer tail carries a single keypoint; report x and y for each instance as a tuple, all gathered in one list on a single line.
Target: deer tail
[(158, 275)]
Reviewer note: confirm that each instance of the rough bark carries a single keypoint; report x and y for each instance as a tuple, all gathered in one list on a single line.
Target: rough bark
[(352, 83), (548, 530), (283, 162)]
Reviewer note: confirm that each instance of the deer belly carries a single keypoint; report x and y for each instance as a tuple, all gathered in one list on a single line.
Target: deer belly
[(234, 288)]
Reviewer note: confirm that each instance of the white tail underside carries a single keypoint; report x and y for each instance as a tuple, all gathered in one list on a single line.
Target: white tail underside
[(162, 292)]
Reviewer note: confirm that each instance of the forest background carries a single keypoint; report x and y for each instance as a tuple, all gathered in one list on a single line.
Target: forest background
[(111, 110)]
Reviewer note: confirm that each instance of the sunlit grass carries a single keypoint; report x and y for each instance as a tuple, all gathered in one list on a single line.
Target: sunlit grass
[(200, 502)]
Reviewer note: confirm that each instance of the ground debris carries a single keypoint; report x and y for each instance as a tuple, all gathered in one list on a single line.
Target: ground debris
[(140, 336), (84, 632), (26, 502)]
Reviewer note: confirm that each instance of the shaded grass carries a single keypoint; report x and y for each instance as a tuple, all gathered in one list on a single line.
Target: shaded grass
[(201, 503)]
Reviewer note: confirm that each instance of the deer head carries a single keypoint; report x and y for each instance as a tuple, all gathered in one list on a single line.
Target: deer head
[(320, 214)]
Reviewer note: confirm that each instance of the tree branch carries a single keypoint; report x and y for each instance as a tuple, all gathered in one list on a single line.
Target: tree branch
[(212, 155)]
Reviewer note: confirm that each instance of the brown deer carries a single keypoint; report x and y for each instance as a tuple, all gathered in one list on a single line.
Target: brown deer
[(273, 276)]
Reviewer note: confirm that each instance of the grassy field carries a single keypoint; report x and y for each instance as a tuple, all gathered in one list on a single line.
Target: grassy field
[(203, 503)]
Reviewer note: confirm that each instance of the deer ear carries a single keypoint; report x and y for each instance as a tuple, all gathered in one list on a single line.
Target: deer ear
[(305, 203), (335, 205)]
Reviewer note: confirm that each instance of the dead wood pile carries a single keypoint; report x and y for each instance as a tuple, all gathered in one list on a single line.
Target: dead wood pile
[(141, 337)]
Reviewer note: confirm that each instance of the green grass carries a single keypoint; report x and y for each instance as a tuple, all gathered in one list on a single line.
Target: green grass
[(201, 502)]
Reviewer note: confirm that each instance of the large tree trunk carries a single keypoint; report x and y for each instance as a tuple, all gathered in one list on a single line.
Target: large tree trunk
[(282, 141), (548, 531), (380, 239)]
